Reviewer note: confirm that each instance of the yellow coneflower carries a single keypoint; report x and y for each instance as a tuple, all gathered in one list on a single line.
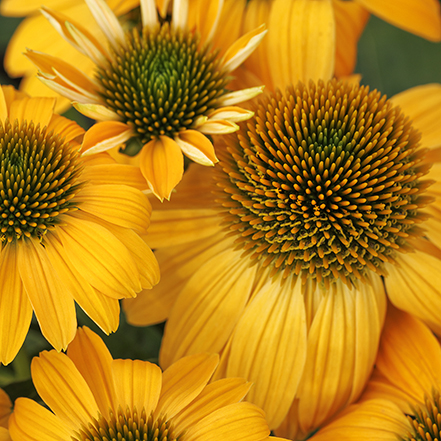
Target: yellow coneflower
[(277, 260), (162, 87), (35, 31), (402, 400), (93, 397), (299, 27), (69, 227)]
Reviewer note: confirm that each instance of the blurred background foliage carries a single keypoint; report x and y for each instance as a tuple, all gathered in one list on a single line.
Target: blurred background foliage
[(389, 60)]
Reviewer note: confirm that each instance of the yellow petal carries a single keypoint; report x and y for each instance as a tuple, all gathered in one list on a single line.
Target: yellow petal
[(179, 14), (104, 136), (148, 13), (232, 98), (63, 389), (30, 422), (138, 384), (262, 350), (100, 257), (5, 408), (184, 381), (421, 103), (378, 420), (215, 396), (342, 344), (413, 286), (217, 293), (204, 16), (66, 128), (301, 43), (37, 110), (351, 19), (15, 308), (243, 48), (96, 111), (231, 113), (94, 362), (52, 302), (162, 165), (421, 17), (217, 127), (3, 108), (197, 147), (103, 310), (119, 204), (236, 422)]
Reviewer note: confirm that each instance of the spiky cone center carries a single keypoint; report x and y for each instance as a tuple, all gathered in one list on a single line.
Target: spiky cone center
[(161, 81), (426, 420), (127, 426), (39, 173), (324, 182)]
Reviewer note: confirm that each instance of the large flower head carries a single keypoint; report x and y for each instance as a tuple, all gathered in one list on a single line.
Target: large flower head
[(161, 88), (279, 259), (93, 397), (69, 227)]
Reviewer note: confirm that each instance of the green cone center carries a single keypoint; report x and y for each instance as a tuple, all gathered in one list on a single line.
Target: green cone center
[(324, 182), (38, 177), (161, 81)]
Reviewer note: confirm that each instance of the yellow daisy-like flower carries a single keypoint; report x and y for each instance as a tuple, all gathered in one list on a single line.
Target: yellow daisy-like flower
[(93, 397), (402, 400), (302, 32), (35, 31), (69, 227), (162, 87), (277, 259)]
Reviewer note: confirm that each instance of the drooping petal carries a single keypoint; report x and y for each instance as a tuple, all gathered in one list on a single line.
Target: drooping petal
[(421, 17), (15, 308), (96, 111), (184, 381), (271, 350), (32, 418), (162, 165), (52, 302), (138, 384), (217, 293), (231, 113), (104, 136), (197, 147), (63, 389), (217, 127), (94, 362)]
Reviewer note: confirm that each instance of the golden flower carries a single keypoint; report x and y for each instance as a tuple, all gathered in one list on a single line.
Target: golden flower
[(69, 227), (277, 259), (402, 400), (35, 31), (162, 87), (302, 32), (93, 397)]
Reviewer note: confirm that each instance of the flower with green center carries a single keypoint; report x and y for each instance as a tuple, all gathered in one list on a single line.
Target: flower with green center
[(69, 227), (292, 244), (94, 397), (402, 399), (160, 89)]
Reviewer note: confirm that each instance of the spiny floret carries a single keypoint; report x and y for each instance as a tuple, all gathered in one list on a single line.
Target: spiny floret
[(324, 182), (129, 426), (38, 174), (161, 81)]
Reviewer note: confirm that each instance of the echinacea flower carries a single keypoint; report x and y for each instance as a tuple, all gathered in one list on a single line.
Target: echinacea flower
[(299, 27), (277, 260), (35, 31), (94, 397), (163, 88), (69, 227), (402, 400)]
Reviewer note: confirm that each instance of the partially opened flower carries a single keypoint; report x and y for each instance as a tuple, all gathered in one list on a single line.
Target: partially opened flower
[(69, 227), (35, 31), (302, 32), (93, 397), (403, 398), (279, 259), (163, 87)]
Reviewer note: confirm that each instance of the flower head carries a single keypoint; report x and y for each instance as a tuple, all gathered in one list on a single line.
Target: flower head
[(69, 227), (161, 88), (93, 397), (316, 200)]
